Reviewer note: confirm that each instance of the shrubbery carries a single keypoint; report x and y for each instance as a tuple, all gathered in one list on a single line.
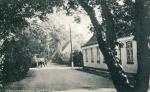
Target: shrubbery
[(16, 59), (77, 58)]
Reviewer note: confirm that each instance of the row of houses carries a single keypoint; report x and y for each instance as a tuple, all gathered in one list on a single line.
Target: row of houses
[(93, 58)]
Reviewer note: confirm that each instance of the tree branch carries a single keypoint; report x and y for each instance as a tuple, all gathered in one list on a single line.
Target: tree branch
[(118, 75)]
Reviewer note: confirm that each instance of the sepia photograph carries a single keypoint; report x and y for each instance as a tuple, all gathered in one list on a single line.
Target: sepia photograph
[(74, 45)]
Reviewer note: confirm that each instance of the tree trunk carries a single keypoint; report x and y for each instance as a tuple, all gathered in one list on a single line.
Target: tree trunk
[(109, 23), (142, 35), (118, 75)]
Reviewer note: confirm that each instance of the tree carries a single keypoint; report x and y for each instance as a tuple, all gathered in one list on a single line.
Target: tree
[(143, 41), (107, 48), (13, 22), (16, 58), (14, 14), (77, 58), (116, 71)]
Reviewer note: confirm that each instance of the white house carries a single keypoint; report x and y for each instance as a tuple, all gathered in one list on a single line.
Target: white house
[(93, 58)]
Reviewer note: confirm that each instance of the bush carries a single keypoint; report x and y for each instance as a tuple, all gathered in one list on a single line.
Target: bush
[(57, 59), (77, 58), (16, 60)]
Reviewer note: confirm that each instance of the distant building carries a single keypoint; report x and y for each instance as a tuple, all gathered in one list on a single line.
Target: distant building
[(93, 58)]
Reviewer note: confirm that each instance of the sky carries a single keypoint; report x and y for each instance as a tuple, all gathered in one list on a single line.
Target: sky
[(80, 31)]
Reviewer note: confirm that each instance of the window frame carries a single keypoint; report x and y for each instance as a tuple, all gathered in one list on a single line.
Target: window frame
[(129, 52), (86, 55), (92, 56), (98, 54)]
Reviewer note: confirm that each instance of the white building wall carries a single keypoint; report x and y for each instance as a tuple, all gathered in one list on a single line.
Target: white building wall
[(94, 64), (130, 68)]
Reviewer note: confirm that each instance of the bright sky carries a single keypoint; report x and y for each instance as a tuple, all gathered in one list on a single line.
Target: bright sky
[(80, 31)]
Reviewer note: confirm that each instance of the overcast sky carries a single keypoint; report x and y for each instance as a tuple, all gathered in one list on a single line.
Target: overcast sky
[(80, 31)]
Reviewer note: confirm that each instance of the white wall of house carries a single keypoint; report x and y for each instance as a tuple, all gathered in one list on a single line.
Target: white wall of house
[(88, 62), (128, 55), (129, 67)]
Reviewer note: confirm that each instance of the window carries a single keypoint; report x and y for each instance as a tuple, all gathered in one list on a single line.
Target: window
[(129, 49), (92, 56), (98, 55), (86, 57)]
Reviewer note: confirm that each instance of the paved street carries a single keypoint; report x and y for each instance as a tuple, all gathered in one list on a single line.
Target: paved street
[(60, 78)]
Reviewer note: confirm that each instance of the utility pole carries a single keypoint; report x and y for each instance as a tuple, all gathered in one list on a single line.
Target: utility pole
[(48, 57), (71, 56)]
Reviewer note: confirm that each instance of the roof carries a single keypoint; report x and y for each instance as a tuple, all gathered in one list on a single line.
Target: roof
[(92, 41)]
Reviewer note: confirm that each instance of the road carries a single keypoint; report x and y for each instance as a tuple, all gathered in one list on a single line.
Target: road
[(60, 78)]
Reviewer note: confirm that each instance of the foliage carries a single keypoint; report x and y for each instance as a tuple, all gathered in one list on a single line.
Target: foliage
[(57, 59), (16, 58), (13, 13), (13, 20), (38, 39), (77, 58), (124, 17), (127, 22), (16, 48), (123, 14), (107, 46)]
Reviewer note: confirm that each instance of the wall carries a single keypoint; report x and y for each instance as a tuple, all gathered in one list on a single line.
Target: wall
[(94, 64), (130, 68)]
